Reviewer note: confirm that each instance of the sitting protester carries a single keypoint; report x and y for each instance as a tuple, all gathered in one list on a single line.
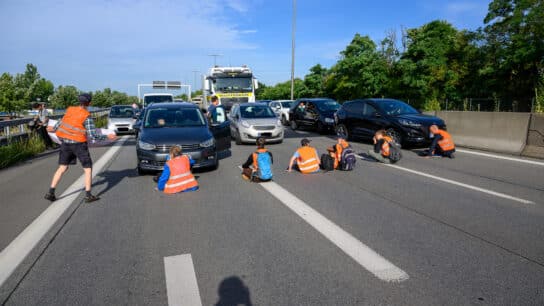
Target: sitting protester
[(176, 176), (342, 154), (258, 167), (442, 144), (305, 158), (381, 149)]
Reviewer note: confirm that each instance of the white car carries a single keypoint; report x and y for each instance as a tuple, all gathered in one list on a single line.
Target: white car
[(121, 119), (281, 108), (248, 121)]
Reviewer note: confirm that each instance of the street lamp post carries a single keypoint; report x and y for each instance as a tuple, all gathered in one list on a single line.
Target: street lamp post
[(293, 50)]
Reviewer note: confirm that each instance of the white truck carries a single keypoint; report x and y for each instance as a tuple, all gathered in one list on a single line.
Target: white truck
[(157, 98), (230, 84)]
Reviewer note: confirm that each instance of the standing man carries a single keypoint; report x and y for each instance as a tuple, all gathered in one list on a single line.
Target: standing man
[(74, 130), (213, 106), (40, 123)]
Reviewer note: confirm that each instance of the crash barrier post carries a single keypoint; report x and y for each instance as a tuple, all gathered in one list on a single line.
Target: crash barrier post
[(535, 137), (13, 130), (491, 131)]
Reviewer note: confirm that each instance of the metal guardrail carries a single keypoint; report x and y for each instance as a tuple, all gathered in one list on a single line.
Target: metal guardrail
[(18, 127)]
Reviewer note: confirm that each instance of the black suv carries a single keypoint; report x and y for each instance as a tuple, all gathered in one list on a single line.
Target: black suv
[(164, 125), (316, 113), (362, 118)]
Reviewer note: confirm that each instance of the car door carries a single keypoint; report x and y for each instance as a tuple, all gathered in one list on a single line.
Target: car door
[(371, 121), (310, 115), (233, 121), (220, 128), (354, 118)]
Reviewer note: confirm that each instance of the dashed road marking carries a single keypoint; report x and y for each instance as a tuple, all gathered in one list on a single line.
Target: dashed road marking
[(14, 254), (181, 284)]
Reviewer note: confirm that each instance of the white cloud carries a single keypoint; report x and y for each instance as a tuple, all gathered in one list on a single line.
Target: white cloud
[(241, 6)]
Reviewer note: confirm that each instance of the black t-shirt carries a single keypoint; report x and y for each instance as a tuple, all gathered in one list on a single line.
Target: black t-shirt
[(378, 145)]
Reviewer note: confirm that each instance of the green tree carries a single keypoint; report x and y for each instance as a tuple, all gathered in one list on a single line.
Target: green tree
[(515, 48), (282, 91), (8, 102), (64, 96), (315, 81), (40, 89)]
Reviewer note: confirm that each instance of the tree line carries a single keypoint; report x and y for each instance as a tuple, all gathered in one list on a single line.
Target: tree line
[(436, 65), (18, 92)]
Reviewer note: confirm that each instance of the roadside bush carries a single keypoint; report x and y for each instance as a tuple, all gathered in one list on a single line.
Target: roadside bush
[(101, 122), (431, 105), (20, 150)]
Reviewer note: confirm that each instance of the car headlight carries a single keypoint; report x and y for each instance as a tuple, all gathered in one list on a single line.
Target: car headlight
[(145, 145), (329, 120), (245, 124), (208, 143), (409, 123)]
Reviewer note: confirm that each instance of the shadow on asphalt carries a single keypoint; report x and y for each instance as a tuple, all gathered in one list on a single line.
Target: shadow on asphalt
[(232, 291), (112, 178)]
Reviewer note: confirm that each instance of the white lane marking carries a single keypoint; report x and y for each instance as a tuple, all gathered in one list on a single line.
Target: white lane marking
[(494, 193), (302, 132), (181, 285), (362, 254), (519, 160), (12, 256)]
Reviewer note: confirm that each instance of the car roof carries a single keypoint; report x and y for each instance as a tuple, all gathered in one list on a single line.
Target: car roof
[(172, 104), (377, 100), (314, 99), (252, 104)]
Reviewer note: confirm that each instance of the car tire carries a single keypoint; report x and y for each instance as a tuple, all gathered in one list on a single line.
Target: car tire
[(284, 120), (216, 166), (396, 135), (238, 138), (342, 130), (141, 171), (294, 125)]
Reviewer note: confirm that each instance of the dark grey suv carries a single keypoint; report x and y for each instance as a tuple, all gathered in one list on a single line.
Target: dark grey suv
[(167, 124)]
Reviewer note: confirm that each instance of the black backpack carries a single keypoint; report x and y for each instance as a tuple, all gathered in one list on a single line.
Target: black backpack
[(347, 159), (395, 153), (327, 162)]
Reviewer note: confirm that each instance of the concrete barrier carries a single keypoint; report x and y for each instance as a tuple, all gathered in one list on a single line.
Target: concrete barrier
[(535, 137), (492, 131)]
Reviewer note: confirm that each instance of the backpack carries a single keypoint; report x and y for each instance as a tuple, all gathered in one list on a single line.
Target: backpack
[(347, 159), (327, 162), (395, 153), (264, 164)]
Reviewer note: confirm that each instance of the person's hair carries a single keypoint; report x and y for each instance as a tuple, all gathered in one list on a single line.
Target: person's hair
[(381, 132), (214, 98), (175, 151), (260, 142)]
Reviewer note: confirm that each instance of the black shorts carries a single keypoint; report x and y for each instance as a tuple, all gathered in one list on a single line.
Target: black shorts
[(70, 151)]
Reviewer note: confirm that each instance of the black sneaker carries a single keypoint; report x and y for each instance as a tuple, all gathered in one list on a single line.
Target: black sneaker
[(91, 198), (50, 196)]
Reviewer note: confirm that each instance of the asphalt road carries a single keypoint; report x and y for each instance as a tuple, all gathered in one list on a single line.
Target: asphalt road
[(458, 246)]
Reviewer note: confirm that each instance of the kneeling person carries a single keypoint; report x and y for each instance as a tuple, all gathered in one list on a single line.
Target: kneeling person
[(381, 149), (176, 176), (442, 144), (306, 158), (258, 167)]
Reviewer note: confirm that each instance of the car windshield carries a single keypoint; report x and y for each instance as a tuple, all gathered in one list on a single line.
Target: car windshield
[(393, 108), (256, 111), (286, 104), (158, 99), (327, 105), (233, 84), (122, 112), (173, 117)]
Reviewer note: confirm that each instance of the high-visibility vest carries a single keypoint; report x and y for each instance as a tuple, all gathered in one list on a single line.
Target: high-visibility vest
[(71, 125), (339, 149), (308, 161), (446, 143), (181, 177), (385, 146)]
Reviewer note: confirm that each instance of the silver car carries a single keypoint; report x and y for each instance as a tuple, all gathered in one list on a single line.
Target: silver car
[(252, 120), (121, 119), (281, 108)]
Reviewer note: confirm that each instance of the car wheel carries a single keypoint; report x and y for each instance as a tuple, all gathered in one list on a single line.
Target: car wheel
[(216, 166), (141, 171), (396, 135), (294, 125), (238, 138), (284, 120), (342, 130)]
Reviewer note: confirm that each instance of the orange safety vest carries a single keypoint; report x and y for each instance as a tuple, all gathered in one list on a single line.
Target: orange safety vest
[(71, 125), (338, 154), (446, 143), (181, 177), (308, 161), (385, 146)]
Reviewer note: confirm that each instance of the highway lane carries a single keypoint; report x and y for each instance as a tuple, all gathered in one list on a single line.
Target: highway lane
[(458, 246)]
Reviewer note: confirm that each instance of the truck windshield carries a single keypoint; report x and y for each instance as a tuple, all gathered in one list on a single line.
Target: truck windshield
[(157, 99), (233, 84)]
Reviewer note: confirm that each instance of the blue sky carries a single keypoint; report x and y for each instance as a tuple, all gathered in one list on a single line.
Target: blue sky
[(95, 44)]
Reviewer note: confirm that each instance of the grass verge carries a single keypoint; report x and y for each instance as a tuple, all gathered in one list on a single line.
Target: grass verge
[(20, 150)]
